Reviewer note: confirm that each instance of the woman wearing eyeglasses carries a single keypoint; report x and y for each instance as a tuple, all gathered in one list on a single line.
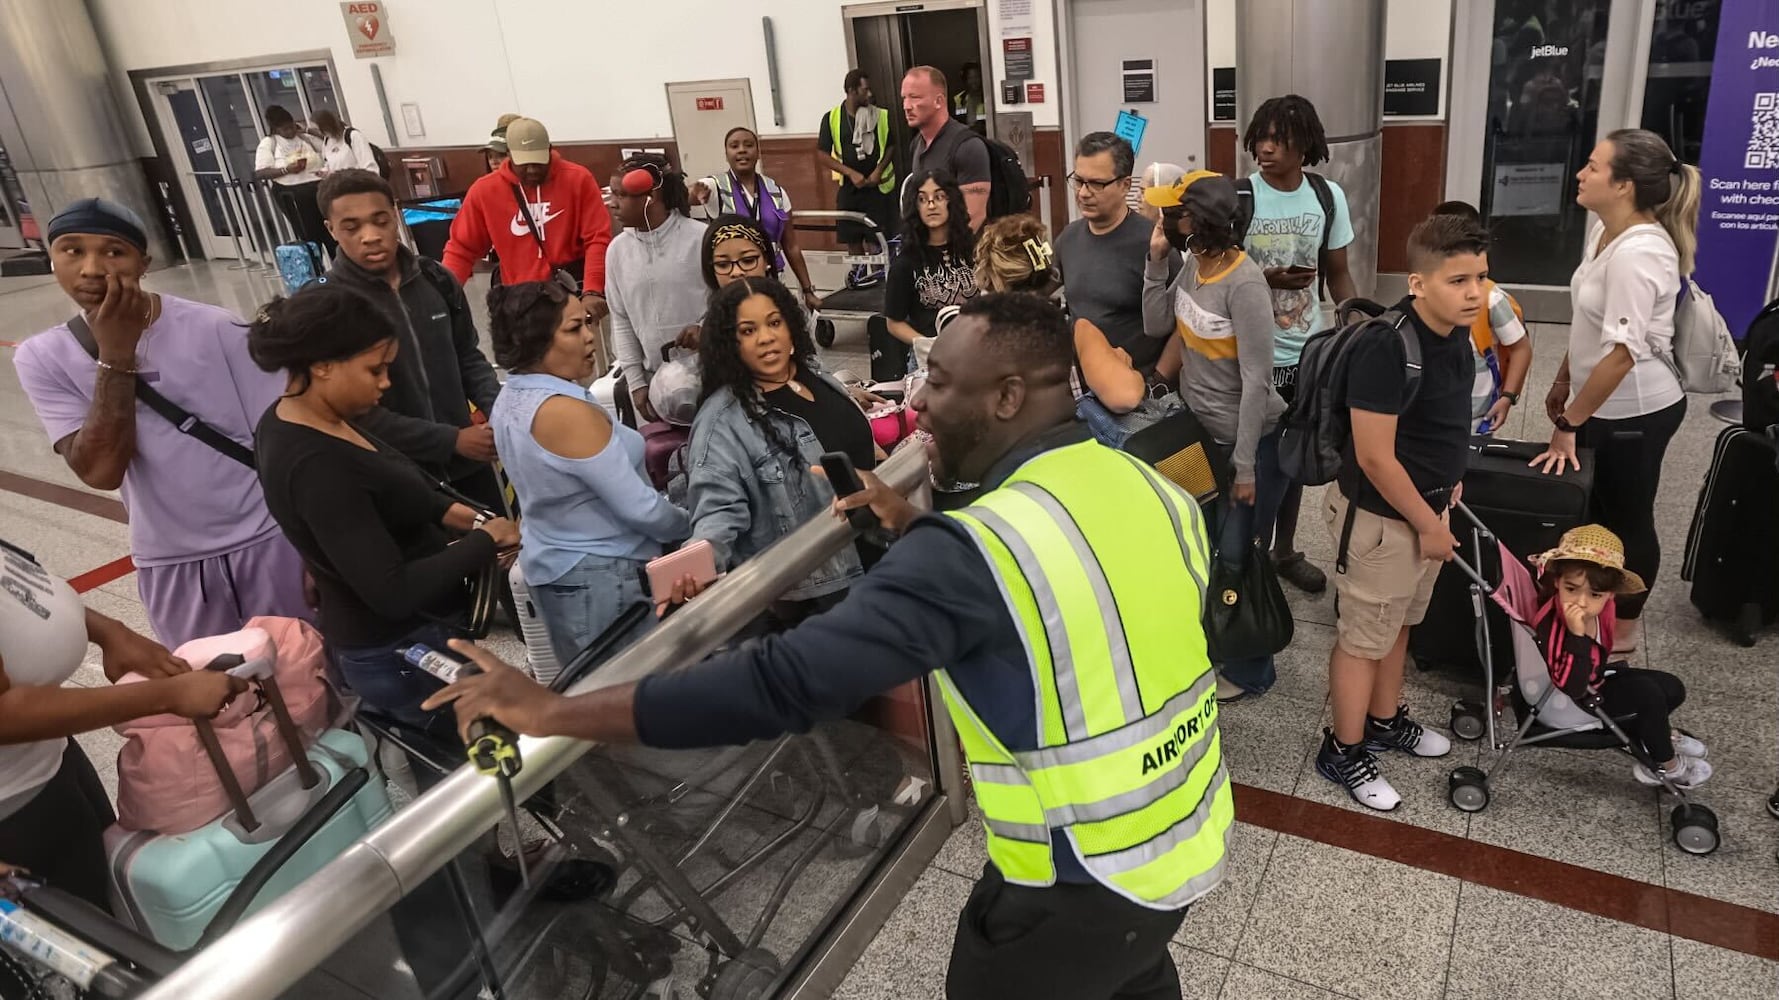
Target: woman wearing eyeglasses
[(934, 269)]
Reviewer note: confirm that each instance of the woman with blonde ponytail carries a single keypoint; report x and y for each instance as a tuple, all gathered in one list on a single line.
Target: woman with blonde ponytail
[(1615, 392)]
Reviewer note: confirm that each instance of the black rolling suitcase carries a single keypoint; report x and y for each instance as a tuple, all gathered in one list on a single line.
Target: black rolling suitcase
[(1528, 511), (1732, 549)]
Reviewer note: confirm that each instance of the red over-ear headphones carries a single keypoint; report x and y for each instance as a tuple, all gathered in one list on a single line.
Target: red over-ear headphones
[(641, 179)]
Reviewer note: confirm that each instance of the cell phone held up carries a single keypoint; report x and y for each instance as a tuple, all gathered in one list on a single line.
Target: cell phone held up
[(838, 467)]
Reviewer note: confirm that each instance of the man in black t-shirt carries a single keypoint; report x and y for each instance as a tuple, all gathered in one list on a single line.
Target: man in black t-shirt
[(1390, 509), (855, 143), (941, 143)]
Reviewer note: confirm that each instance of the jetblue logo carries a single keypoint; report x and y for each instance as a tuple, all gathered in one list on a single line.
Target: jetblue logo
[(1542, 51)]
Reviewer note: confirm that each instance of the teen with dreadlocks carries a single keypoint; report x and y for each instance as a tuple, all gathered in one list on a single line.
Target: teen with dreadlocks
[(768, 413), (1298, 231)]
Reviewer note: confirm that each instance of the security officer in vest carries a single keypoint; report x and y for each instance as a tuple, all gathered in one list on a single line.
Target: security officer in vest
[(1061, 611), (854, 141)]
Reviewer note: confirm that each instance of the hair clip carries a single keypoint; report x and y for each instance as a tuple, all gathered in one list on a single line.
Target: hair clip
[(263, 316), (1040, 253)]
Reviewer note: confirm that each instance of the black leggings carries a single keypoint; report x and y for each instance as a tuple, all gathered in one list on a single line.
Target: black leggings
[(1628, 457), (1651, 694), (297, 202), (59, 834)]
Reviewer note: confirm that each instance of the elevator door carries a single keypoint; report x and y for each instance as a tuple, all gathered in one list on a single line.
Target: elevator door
[(888, 39)]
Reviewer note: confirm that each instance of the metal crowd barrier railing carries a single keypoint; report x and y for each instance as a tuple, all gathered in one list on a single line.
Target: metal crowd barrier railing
[(270, 951)]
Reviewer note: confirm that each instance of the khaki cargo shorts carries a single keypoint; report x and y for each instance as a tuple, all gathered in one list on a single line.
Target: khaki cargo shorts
[(1387, 584)]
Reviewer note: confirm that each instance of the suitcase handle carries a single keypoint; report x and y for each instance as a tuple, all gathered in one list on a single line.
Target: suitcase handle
[(231, 786), (282, 851)]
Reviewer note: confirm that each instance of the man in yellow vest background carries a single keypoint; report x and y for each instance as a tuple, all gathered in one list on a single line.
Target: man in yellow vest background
[(1061, 609), (855, 145)]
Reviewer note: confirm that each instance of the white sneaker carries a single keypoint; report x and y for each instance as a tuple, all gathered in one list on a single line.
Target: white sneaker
[(1688, 772), (1357, 772), (1688, 746), (1407, 735)]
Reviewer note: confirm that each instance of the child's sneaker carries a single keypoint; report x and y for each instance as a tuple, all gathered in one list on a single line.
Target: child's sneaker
[(1688, 772), (1404, 733), (1356, 771), (1688, 746)]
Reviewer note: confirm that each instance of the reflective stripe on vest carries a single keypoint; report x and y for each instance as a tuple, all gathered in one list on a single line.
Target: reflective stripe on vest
[(1129, 765), (889, 173)]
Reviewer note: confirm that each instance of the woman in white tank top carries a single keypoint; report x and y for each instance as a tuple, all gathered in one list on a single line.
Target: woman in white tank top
[(1617, 392), (53, 810)]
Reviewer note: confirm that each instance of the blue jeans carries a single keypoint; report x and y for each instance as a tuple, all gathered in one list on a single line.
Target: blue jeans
[(387, 683), (581, 604), (1238, 524)]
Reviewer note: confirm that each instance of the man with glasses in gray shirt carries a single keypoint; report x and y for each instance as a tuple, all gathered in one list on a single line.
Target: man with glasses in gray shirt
[(1102, 253)]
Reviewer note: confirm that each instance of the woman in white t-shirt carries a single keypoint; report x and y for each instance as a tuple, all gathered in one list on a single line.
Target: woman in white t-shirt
[(291, 159), (342, 146), (53, 810), (1617, 391)]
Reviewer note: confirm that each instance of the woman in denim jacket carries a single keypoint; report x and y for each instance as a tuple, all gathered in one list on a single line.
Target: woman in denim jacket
[(768, 413)]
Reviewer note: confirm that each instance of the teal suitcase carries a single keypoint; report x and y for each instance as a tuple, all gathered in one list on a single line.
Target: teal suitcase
[(184, 890)]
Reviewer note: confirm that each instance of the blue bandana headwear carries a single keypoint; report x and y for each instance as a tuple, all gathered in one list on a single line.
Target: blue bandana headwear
[(102, 217)]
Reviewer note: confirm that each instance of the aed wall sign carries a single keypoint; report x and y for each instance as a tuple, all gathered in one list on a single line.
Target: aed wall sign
[(368, 27)]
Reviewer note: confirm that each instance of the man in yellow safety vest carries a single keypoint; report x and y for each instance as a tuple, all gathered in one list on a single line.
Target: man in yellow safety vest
[(854, 143), (1061, 609)]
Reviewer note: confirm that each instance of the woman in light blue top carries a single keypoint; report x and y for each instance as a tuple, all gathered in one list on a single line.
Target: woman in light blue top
[(592, 519)]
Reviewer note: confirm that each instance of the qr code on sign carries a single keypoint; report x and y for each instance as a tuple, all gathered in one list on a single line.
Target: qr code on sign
[(1763, 142)]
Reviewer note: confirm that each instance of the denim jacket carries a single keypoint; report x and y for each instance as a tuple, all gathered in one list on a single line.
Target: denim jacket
[(745, 496)]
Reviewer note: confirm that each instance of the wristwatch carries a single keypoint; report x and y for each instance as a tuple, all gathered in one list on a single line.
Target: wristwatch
[(1513, 398), (1565, 426), (480, 519)]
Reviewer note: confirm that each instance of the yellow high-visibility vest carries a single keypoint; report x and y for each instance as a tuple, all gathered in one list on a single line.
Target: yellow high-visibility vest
[(1102, 564), (889, 173)]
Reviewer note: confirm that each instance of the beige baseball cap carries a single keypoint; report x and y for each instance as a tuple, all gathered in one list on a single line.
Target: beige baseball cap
[(528, 141)]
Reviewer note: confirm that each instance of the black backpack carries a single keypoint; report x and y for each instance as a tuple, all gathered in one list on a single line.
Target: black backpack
[(1760, 370), (1316, 428), (1244, 210), (377, 154), (1009, 191)]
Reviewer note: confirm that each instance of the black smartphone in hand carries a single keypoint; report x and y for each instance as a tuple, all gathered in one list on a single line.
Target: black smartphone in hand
[(838, 467)]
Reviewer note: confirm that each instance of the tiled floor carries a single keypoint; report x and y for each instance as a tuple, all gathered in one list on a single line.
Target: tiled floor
[(1304, 913)]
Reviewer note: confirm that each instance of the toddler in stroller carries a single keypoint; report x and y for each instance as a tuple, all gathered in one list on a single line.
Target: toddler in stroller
[(1575, 625)]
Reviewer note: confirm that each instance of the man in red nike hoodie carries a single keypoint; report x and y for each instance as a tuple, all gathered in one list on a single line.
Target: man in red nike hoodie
[(540, 213)]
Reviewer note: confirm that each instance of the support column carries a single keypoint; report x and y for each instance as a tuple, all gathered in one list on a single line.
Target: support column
[(1331, 52), (58, 115)]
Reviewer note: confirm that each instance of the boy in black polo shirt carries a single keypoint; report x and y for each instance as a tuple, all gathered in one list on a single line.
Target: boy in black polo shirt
[(1403, 471)]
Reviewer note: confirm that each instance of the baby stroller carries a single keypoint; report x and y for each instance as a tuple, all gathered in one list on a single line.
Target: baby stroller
[(1546, 716)]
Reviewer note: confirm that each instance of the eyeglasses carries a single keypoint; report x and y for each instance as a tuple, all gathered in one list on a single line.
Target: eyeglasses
[(746, 262), (1094, 184), (936, 198)]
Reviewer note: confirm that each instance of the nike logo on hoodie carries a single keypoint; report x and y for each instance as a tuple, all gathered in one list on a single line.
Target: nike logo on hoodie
[(541, 212)]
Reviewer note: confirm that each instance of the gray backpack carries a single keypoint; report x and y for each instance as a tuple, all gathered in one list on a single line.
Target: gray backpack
[(1703, 355)]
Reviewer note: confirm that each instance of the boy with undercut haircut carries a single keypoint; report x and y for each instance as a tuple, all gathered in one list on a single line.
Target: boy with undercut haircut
[(1390, 506)]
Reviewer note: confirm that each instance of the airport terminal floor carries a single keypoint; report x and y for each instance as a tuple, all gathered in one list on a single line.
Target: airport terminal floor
[(1567, 885)]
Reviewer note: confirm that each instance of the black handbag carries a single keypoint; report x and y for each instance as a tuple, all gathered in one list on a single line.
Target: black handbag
[(1246, 614)]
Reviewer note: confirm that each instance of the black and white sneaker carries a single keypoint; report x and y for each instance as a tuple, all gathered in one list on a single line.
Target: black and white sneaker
[(1405, 734), (1356, 770)]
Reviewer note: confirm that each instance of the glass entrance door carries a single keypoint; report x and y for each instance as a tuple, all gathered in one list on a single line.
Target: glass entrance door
[(212, 124), (1563, 73)]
